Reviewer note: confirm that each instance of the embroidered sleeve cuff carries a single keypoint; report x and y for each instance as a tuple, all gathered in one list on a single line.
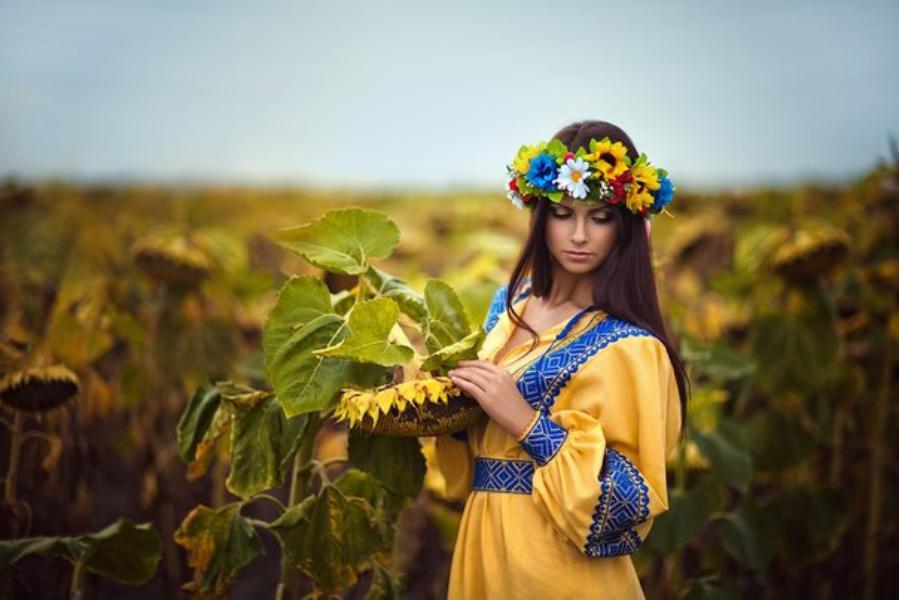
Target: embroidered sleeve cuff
[(544, 438), (527, 428)]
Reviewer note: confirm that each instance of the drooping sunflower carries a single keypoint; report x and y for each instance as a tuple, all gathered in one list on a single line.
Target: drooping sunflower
[(418, 407)]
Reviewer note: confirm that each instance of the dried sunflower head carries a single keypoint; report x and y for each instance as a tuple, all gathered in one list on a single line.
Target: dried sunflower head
[(39, 389), (171, 259), (810, 252), (418, 407)]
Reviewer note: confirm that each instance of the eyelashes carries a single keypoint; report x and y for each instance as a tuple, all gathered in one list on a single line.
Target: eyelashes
[(563, 216)]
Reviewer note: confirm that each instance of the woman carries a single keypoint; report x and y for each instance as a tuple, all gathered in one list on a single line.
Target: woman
[(564, 478)]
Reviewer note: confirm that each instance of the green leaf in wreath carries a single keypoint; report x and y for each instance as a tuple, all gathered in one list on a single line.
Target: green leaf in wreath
[(396, 461), (219, 543), (123, 552), (330, 537), (448, 357), (369, 325), (301, 301), (447, 321), (342, 241)]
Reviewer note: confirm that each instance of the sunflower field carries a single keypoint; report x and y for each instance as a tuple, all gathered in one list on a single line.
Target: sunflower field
[(184, 373)]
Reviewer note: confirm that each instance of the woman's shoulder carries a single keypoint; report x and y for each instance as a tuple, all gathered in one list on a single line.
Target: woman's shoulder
[(615, 343), (498, 302)]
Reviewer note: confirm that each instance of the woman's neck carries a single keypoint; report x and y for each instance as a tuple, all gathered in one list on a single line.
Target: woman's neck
[(570, 288)]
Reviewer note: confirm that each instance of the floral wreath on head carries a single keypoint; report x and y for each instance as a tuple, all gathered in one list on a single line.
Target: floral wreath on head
[(604, 172)]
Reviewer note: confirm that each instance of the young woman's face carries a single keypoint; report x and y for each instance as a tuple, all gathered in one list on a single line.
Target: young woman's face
[(576, 226)]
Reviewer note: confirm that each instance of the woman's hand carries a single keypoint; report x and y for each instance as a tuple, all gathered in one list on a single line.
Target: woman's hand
[(494, 389)]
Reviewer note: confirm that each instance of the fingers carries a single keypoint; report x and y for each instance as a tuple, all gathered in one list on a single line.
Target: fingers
[(482, 365), (469, 388), (476, 377)]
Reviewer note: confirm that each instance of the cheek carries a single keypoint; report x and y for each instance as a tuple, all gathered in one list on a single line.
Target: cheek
[(555, 233), (605, 239)]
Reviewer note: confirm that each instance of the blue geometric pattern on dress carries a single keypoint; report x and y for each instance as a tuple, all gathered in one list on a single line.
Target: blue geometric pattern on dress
[(544, 439), (623, 504), (543, 380), (501, 475), (498, 304)]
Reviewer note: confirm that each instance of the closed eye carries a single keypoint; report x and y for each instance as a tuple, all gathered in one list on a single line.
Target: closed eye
[(605, 218)]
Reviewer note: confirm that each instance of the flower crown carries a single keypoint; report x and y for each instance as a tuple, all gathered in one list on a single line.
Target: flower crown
[(603, 173)]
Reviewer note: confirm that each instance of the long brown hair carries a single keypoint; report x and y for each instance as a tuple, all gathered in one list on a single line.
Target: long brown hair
[(625, 283)]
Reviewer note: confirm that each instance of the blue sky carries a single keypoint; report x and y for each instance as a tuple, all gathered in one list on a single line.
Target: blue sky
[(408, 94)]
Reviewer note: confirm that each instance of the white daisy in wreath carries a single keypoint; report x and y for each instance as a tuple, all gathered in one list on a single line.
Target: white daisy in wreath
[(573, 177)]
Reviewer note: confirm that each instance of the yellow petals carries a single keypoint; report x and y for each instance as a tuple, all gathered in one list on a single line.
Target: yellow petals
[(354, 405)]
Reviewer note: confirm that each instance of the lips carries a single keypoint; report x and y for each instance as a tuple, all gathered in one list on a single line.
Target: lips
[(580, 254)]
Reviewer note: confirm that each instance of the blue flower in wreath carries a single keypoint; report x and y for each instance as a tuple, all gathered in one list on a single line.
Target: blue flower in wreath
[(664, 194), (542, 172)]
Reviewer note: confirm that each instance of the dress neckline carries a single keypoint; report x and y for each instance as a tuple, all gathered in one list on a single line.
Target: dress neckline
[(549, 332)]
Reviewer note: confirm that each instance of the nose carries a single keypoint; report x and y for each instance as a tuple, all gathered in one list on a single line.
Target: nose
[(579, 235)]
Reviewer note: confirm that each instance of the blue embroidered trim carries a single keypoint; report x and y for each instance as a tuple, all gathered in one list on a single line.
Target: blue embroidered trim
[(544, 439), (623, 504), (501, 475), (541, 383), (498, 304)]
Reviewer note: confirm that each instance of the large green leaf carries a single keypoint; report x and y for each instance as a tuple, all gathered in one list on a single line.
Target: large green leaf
[(410, 302), (387, 505), (796, 350), (447, 321), (197, 419), (729, 461), (384, 585), (300, 301), (686, 517), (396, 461), (303, 381), (720, 363), (342, 241), (124, 552), (776, 441), (262, 440), (742, 537), (369, 325), (219, 543), (449, 356), (330, 537)]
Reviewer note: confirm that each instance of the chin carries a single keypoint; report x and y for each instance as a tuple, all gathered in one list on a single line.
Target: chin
[(580, 267)]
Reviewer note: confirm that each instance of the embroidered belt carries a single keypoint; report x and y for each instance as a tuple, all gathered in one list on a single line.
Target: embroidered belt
[(503, 475)]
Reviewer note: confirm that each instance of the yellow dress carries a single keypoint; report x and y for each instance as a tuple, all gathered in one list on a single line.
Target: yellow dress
[(556, 513)]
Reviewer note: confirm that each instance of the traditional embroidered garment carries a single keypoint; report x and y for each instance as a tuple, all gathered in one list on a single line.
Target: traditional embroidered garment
[(556, 513)]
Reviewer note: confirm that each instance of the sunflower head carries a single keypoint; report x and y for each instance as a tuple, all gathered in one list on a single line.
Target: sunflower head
[(418, 407), (39, 389), (608, 158), (172, 259)]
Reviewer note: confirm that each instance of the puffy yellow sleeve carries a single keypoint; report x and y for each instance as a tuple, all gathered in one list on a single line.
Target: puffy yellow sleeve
[(600, 476)]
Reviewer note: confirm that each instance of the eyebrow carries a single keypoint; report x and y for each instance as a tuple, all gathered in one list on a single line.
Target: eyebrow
[(592, 210)]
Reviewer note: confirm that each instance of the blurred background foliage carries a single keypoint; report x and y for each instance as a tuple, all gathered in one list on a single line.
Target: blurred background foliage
[(784, 301)]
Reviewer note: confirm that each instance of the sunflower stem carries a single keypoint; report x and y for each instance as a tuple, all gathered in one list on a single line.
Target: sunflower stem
[(15, 447)]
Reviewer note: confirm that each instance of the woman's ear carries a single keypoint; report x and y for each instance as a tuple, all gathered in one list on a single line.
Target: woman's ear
[(648, 224)]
